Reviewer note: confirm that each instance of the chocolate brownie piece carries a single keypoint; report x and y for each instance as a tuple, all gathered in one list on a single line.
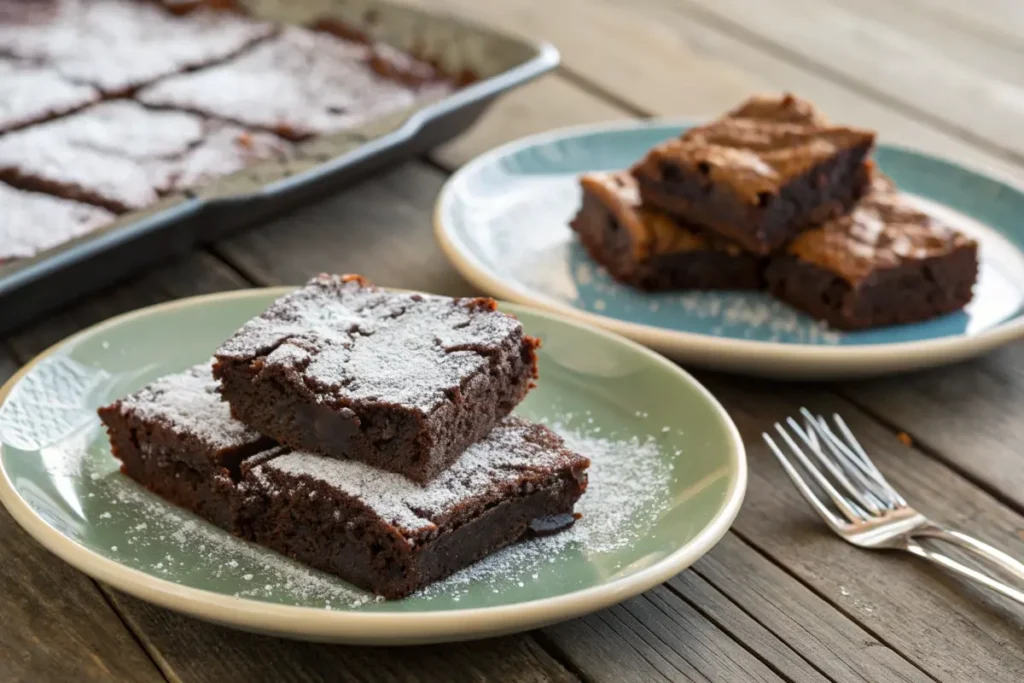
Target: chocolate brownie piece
[(31, 222), (177, 438), (887, 262), (388, 534), (118, 45), (123, 156), (400, 381), (30, 94), (760, 174), (299, 84), (649, 249)]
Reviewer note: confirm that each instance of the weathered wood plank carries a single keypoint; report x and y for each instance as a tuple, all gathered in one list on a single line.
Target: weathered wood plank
[(968, 414), (380, 229), (57, 625), (656, 636), (548, 103), (667, 63), (998, 20), (898, 599), (205, 653), (956, 39), (881, 61), (813, 628)]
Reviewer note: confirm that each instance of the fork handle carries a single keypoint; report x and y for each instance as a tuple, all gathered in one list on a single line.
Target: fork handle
[(979, 548)]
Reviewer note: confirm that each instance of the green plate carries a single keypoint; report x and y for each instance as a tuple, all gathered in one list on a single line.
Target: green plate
[(667, 479)]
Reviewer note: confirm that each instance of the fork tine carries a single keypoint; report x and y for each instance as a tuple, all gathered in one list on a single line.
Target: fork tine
[(850, 509), (870, 489), (852, 441), (868, 475), (863, 496), (830, 518)]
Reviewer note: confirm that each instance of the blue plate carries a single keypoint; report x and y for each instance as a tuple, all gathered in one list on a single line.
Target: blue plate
[(503, 222)]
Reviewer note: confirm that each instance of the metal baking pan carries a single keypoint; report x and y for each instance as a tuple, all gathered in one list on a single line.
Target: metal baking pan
[(177, 224)]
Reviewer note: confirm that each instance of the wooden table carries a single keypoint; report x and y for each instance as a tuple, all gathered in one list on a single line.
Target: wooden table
[(779, 598)]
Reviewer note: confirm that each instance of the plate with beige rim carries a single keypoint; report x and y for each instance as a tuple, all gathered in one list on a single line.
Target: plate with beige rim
[(502, 220), (667, 478)]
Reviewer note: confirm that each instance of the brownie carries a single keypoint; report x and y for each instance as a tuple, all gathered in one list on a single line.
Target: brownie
[(376, 529), (118, 45), (760, 174), (384, 532), (404, 382), (31, 222), (886, 262), (177, 438), (298, 84), (30, 94), (123, 156), (650, 250)]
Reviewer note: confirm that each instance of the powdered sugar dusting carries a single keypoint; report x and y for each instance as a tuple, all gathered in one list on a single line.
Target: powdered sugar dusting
[(188, 401), (627, 492), (354, 341), (513, 448)]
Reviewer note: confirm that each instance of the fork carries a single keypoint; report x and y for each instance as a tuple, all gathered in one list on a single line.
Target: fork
[(876, 515)]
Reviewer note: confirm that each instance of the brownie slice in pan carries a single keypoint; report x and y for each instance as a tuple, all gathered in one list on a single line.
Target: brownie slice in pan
[(298, 84), (886, 262), (30, 93), (760, 174), (649, 249), (386, 533), (404, 382), (177, 438), (31, 222), (123, 156), (119, 45)]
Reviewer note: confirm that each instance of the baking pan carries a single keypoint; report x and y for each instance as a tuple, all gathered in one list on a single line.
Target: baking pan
[(177, 224)]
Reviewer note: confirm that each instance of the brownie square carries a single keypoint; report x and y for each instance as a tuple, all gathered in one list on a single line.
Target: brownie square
[(118, 45), (31, 222), (30, 94), (383, 532), (177, 438), (648, 249), (887, 262), (298, 84), (760, 174), (404, 382), (122, 156)]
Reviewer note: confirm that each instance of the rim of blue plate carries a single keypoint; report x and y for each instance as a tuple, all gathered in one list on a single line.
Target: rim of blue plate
[(913, 353), (383, 627)]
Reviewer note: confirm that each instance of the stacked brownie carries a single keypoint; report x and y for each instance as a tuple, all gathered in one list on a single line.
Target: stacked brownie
[(366, 433), (774, 195), (108, 106)]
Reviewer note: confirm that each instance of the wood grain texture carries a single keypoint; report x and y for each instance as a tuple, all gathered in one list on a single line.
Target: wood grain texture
[(57, 625), (551, 102), (199, 652), (380, 229), (957, 39), (882, 61), (810, 626), (899, 600), (993, 20), (710, 71), (969, 415), (656, 636)]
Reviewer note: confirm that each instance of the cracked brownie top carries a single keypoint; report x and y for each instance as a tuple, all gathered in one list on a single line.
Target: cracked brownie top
[(339, 340)]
